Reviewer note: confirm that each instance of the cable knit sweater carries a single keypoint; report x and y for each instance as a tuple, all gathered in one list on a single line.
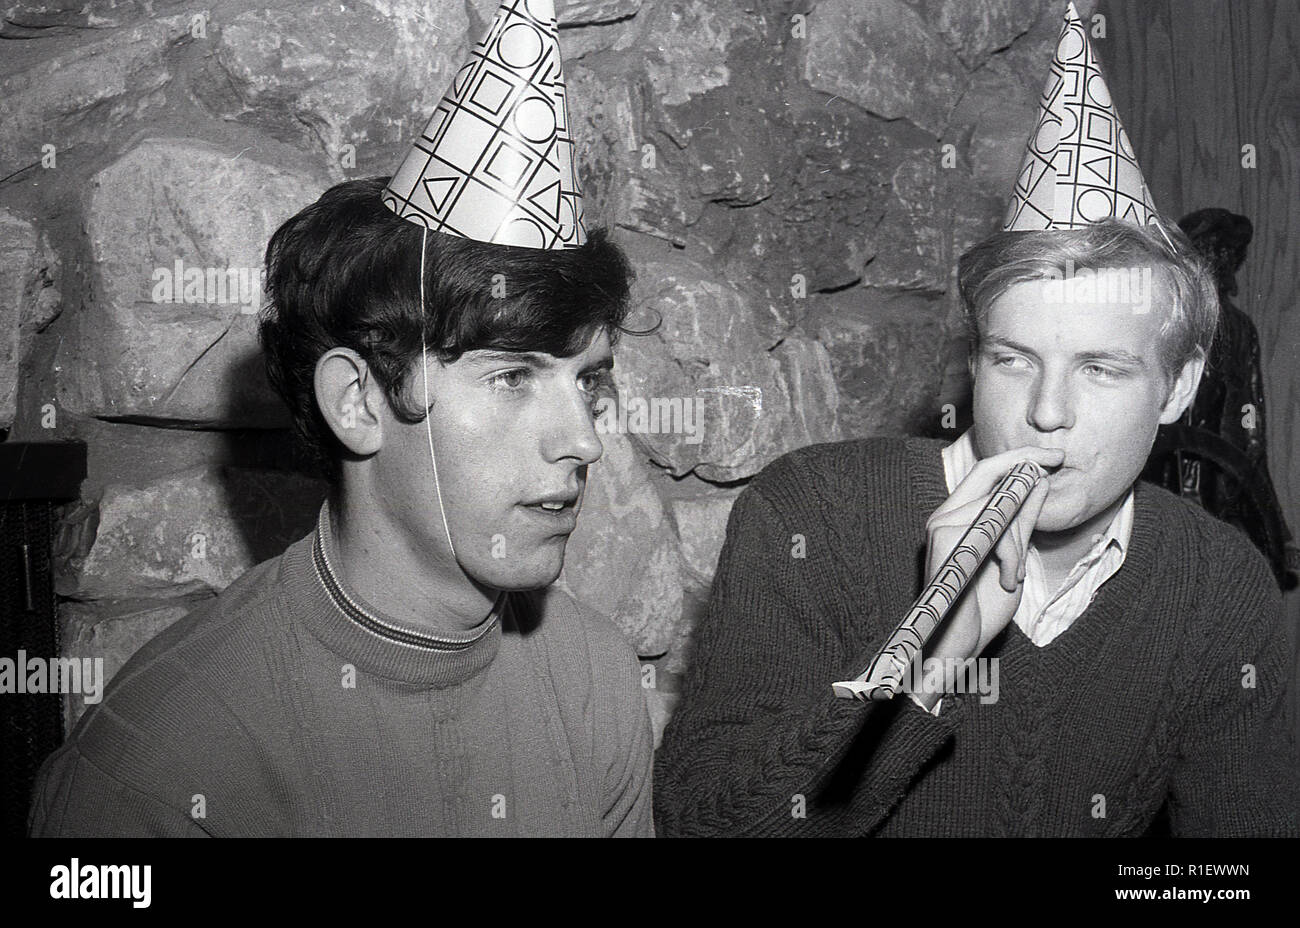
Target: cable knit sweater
[(1169, 691), (290, 707)]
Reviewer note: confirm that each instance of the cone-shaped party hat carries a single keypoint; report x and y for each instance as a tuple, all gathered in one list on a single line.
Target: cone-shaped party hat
[(1079, 165), (495, 163)]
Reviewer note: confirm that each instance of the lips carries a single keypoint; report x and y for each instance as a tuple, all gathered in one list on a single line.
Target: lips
[(555, 501), (557, 511)]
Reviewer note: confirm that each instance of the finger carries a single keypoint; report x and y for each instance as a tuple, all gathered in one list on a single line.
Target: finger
[(1027, 518), (944, 536), (956, 517), (1020, 533), (1012, 549), (947, 530), (986, 473), (1011, 557)]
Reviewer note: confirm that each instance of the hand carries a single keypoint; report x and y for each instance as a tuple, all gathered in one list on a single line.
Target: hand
[(992, 598)]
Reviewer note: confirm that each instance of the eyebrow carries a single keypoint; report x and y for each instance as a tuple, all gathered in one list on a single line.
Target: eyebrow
[(538, 359), (1115, 356)]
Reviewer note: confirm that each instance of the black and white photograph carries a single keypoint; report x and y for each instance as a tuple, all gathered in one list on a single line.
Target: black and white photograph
[(654, 419)]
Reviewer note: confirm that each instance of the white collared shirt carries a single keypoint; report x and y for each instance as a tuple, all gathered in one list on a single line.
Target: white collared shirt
[(1044, 614)]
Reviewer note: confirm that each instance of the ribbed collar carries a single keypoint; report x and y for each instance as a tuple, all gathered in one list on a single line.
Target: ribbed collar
[(362, 635)]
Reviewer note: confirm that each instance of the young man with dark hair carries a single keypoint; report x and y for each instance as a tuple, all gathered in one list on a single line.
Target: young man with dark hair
[(369, 681), (441, 339)]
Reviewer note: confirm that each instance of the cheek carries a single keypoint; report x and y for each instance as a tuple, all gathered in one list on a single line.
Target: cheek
[(1123, 422), (997, 405), (476, 468), (1118, 438), (475, 489)]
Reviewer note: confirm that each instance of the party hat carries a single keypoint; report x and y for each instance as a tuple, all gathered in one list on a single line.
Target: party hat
[(1079, 165), (495, 163)]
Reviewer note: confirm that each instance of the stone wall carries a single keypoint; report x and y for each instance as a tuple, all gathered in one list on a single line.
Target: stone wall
[(792, 180)]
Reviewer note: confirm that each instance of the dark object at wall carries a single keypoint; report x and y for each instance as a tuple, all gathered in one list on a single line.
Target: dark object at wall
[(1215, 455), (33, 478)]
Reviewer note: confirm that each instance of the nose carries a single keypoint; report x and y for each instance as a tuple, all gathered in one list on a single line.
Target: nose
[(1051, 406), (570, 432)]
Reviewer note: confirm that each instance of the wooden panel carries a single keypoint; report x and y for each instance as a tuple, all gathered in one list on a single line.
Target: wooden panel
[(1194, 81)]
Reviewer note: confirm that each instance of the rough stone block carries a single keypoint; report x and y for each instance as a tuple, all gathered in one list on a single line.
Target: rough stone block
[(622, 559), (43, 18), (76, 94), (29, 301), (753, 400), (178, 229), (701, 529), (367, 73), (880, 56), (974, 29), (887, 352), (193, 532)]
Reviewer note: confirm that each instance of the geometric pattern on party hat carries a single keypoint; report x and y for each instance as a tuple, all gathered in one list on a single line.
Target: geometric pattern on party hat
[(1079, 166), (495, 162)]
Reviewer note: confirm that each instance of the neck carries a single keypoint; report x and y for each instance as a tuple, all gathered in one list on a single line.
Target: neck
[(377, 557)]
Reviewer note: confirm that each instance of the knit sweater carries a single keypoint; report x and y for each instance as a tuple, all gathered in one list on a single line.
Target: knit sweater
[(280, 709), (1169, 690)]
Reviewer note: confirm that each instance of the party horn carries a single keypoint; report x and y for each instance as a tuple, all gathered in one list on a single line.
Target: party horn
[(883, 677)]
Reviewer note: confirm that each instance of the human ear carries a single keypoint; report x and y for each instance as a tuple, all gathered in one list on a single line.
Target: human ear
[(350, 400), (1183, 390)]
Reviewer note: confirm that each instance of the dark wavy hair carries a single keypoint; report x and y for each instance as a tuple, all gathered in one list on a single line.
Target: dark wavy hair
[(344, 272)]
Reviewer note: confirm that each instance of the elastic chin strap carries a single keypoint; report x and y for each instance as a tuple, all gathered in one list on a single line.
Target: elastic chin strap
[(428, 428)]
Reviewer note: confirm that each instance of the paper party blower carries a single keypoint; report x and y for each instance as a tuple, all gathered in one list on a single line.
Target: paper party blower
[(495, 163), (1079, 166)]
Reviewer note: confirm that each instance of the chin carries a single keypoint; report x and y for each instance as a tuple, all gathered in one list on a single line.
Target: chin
[(1054, 524), (1062, 517), (517, 578)]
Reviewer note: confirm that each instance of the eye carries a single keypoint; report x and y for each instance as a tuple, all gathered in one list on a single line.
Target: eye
[(512, 379), (597, 387), (594, 382), (1100, 372), (1009, 361)]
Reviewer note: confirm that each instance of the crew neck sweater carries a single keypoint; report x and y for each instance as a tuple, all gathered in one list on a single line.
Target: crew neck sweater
[(1169, 690), (289, 706)]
